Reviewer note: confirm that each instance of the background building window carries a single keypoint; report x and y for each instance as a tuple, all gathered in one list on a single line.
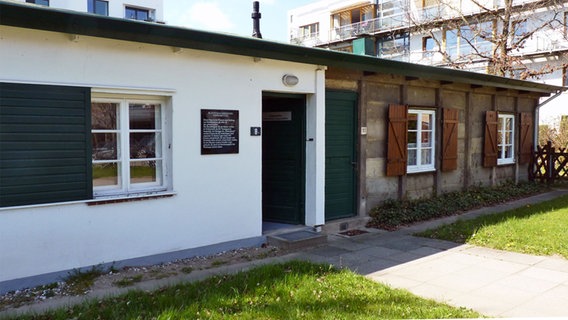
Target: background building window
[(428, 46), (505, 139), (98, 7), (138, 14), (421, 144), (394, 47), (128, 153), (309, 31), (40, 2)]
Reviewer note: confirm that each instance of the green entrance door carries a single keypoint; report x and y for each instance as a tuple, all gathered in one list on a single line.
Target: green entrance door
[(283, 164), (340, 154)]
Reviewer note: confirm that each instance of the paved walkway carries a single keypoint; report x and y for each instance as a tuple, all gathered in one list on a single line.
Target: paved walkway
[(492, 282)]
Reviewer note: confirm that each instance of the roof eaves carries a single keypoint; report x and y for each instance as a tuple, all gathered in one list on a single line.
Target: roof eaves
[(72, 22)]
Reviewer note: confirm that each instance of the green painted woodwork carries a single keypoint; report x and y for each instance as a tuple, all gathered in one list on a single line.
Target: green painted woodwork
[(283, 160), (45, 147), (364, 46), (78, 23), (340, 154)]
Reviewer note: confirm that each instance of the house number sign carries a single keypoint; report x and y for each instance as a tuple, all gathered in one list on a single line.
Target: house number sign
[(219, 131)]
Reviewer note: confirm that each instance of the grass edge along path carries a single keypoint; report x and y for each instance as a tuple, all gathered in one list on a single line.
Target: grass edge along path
[(539, 229), (291, 290)]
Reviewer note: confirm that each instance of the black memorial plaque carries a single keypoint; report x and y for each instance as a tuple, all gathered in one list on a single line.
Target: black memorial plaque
[(219, 131)]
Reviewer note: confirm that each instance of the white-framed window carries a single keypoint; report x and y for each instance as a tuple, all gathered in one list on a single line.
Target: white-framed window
[(309, 31), (136, 13), (421, 140), (128, 146), (505, 139)]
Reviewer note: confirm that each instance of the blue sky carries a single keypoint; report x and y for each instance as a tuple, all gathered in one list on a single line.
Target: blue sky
[(232, 16)]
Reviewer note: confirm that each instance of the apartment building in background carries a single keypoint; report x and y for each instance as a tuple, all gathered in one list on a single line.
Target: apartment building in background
[(142, 10), (445, 33)]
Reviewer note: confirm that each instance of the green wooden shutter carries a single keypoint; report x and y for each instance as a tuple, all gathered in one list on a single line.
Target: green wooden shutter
[(45, 147), (490, 150), (397, 140)]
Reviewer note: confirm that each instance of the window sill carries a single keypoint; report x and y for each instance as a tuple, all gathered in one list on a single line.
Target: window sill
[(504, 164), (128, 198), (411, 172)]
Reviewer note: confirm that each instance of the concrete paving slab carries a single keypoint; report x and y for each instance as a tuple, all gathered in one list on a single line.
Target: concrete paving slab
[(394, 281), (486, 305), (521, 258), (545, 274), (328, 251), (553, 263), (348, 244), (379, 252), (539, 307), (432, 291), (527, 284)]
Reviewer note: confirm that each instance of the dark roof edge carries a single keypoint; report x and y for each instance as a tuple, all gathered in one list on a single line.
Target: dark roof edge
[(71, 22)]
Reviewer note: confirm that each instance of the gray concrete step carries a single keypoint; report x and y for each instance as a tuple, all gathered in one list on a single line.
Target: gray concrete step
[(297, 239)]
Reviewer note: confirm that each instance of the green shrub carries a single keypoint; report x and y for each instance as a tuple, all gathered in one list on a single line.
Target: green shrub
[(392, 214)]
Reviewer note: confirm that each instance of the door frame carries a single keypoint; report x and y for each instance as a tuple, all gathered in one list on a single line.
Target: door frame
[(302, 147)]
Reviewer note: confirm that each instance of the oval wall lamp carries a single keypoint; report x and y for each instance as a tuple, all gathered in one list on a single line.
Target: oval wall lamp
[(290, 80)]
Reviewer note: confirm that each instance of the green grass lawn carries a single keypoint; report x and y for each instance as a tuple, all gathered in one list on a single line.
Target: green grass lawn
[(540, 229), (293, 290)]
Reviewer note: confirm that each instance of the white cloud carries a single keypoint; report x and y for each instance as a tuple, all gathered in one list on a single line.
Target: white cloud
[(206, 16)]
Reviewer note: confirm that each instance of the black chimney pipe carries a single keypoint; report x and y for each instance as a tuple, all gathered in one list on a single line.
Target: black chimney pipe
[(256, 20)]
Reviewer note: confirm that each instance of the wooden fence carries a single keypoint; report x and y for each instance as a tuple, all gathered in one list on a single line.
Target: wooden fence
[(548, 164)]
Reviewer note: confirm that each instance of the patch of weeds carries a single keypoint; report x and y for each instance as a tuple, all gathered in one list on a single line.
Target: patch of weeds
[(246, 257), (79, 282), (187, 270), (218, 263), (392, 214), (164, 275), (128, 281)]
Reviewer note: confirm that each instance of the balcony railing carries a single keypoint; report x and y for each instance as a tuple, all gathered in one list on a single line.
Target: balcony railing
[(307, 40), (404, 19)]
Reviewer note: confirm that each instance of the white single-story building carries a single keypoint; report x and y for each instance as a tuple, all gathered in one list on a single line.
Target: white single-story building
[(130, 142)]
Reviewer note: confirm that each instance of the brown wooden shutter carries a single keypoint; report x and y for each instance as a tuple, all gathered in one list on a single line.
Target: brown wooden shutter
[(397, 139), (450, 139), (490, 149), (526, 137)]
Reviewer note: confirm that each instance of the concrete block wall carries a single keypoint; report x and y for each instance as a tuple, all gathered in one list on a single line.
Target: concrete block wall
[(377, 91)]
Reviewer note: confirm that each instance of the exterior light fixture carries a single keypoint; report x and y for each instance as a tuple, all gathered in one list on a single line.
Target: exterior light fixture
[(290, 80)]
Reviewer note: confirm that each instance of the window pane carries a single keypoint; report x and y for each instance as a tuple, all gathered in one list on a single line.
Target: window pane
[(411, 157), (143, 145), (426, 156), (105, 146), (104, 116), (143, 171), (130, 13), (412, 140), (426, 121), (412, 121), (426, 139), (508, 152), (105, 174), (509, 138), (508, 124), (101, 7), (144, 116)]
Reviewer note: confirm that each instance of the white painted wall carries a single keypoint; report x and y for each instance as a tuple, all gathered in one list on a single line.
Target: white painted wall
[(218, 197)]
